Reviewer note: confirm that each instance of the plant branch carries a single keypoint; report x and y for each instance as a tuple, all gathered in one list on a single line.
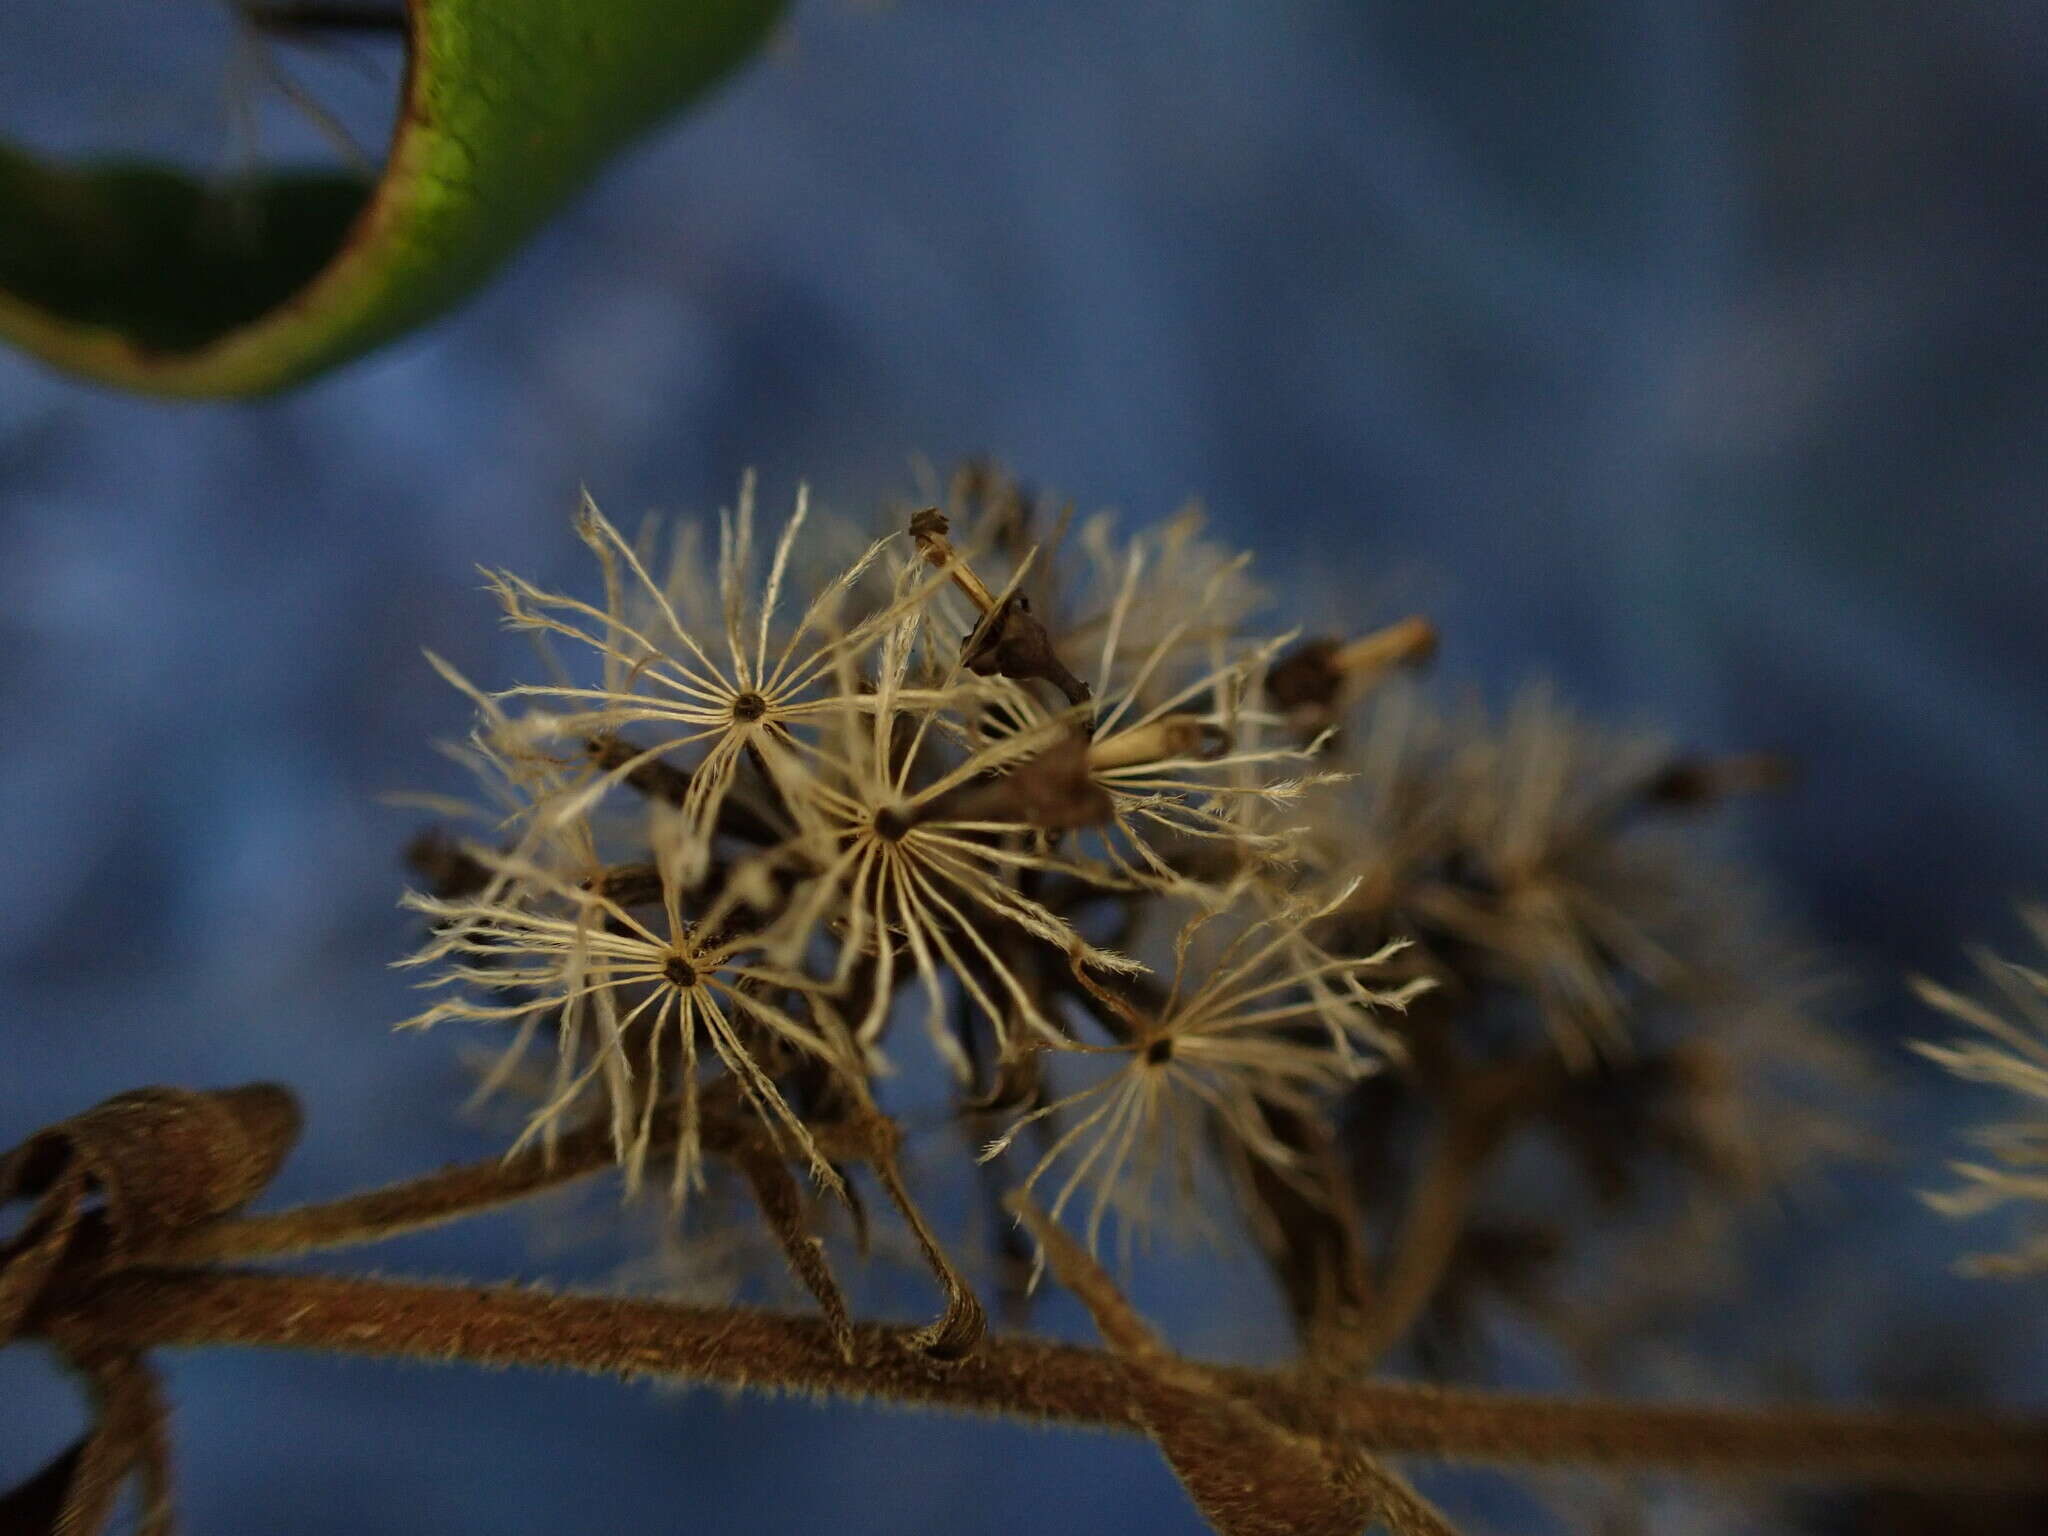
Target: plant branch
[(437, 1198), (1017, 1377), (407, 1206)]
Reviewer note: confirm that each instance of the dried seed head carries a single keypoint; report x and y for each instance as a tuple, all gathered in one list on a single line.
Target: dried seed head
[(629, 1002), (730, 690), (2009, 1051), (1261, 1019), (915, 861)]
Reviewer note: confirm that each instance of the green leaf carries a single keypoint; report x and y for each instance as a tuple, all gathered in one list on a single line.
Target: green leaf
[(143, 277)]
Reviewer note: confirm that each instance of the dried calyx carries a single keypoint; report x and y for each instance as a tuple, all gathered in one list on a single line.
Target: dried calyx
[(1008, 640)]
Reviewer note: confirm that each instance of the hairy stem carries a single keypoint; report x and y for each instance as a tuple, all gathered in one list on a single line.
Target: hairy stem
[(449, 1195), (962, 1324), (781, 1204), (1017, 1377), (407, 1206)]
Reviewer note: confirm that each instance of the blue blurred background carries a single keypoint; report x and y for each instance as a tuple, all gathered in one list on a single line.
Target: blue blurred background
[(1693, 354)]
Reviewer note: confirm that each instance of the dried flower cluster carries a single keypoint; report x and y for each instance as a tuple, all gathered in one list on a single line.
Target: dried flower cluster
[(1207, 928), (779, 808), (1203, 918)]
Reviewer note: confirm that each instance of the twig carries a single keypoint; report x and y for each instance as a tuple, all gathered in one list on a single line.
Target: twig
[(782, 1206), (407, 1206), (437, 1198), (1019, 1377)]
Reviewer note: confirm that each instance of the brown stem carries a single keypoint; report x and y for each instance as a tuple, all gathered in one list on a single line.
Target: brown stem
[(436, 1198), (1018, 1377), (782, 1207), (1431, 1225), (407, 1206), (961, 1326)]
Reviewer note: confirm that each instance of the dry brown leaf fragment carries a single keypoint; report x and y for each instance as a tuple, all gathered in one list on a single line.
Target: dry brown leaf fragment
[(31, 1256), (160, 1160)]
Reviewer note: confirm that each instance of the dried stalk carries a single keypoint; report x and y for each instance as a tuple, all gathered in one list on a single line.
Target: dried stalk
[(410, 1205), (781, 1204), (435, 1199), (1430, 1228), (1248, 1475), (1015, 1377), (963, 1323)]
